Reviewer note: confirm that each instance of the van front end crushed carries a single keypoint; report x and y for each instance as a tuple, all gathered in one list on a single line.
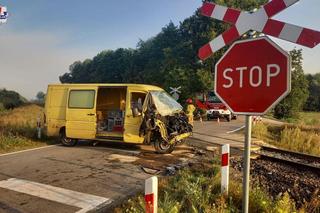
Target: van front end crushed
[(180, 138)]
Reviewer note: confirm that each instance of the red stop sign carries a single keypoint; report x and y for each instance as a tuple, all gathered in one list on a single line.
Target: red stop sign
[(253, 76)]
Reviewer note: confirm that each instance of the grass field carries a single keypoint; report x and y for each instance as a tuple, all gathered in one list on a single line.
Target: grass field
[(309, 119), (18, 129), (305, 139)]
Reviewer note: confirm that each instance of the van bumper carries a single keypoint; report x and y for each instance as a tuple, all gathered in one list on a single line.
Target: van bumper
[(180, 137)]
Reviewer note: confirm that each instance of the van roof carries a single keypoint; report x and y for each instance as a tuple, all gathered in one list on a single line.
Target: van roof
[(145, 86)]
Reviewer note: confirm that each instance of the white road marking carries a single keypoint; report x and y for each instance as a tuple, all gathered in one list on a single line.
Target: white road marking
[(236, 129), (28, 150), (84, 201)]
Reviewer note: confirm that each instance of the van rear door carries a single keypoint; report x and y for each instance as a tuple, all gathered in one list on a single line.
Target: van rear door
[(81, 117)]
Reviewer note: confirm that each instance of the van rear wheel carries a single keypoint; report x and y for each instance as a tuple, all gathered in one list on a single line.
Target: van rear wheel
[(163, 147), (64, 140)]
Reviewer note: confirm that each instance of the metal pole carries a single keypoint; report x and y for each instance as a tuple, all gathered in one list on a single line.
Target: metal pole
[(246, 160)]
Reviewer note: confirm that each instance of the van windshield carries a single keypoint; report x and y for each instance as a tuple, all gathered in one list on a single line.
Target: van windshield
[(165, 104)]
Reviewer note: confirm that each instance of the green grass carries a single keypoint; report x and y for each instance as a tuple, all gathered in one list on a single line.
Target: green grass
[(292, 137), (198, 190), (9, 143), (309, 118)]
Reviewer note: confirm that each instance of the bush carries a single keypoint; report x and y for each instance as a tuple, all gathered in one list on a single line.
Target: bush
[(10, 99)]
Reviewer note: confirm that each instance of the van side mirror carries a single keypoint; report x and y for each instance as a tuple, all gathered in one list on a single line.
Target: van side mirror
[(135, 112)]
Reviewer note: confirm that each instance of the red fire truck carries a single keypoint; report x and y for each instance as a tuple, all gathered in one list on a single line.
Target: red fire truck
[(214, 107)]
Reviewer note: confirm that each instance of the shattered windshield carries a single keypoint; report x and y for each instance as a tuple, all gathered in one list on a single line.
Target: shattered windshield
[(165, 104)]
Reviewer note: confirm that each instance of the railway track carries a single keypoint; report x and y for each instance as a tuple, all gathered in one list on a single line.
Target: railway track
[(294, 158)]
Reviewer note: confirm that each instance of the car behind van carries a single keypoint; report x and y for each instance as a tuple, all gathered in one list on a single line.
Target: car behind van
[(130, 113)]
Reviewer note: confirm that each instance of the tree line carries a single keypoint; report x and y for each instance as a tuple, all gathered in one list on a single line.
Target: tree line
[(169, 59), (10, 99)]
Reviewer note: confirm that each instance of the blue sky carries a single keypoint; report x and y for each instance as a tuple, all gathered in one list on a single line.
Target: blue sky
[(43, 37)]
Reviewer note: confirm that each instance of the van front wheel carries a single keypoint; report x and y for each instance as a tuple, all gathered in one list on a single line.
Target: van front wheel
[(162, 147), (65, 140)]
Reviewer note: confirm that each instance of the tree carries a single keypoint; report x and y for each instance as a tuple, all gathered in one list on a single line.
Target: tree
[(294, 102), (10, 99), (313, 101), (40, 97)]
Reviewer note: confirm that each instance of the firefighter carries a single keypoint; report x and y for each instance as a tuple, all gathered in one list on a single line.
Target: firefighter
[(190, 110)]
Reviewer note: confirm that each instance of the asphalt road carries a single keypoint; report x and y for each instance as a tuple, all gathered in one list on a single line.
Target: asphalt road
[(219, 133), (84, 178)]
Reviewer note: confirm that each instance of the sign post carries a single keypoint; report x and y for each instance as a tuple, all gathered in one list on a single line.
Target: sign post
[(175, 91), (246, 160)]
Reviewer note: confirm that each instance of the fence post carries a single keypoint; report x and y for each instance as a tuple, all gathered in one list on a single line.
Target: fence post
[(151, 194), (225, 150)]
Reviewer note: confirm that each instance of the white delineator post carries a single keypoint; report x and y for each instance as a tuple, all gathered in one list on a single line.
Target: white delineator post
[(39, 127), (151, 194), (225, 153)]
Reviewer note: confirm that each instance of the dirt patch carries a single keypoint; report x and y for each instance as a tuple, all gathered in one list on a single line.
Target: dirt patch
[(150, 159)]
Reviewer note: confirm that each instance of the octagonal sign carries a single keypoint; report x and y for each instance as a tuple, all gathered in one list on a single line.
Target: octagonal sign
[(253, 76)]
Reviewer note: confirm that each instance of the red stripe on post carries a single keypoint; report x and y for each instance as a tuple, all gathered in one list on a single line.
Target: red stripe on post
[(273, 27), (149, 199), (230, 35), (205, 52), (231, 16), (274, 7), (207, 9), (309, 38), (225, 159)]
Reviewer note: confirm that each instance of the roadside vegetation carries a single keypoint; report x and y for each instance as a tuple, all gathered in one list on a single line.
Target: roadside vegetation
[(18, 129), (298, 138), (307, 119), (197, 189)]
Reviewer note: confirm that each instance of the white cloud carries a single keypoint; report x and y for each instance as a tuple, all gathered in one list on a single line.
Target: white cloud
[(31, 60)]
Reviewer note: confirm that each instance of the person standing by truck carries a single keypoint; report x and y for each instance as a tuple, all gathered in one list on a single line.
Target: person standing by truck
[(190, 109)]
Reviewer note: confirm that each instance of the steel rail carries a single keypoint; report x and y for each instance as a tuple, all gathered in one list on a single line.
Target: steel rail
[(308, 162)]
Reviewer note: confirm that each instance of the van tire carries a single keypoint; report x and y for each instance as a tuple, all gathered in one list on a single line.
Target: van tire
[(66, 141), (162, 147)]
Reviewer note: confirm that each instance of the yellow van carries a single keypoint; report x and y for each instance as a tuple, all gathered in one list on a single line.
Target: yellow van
[(130, 113)]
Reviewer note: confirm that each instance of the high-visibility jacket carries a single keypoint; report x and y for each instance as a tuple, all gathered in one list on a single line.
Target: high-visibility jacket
[(190, 109)]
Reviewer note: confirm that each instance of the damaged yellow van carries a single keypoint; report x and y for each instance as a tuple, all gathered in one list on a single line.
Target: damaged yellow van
[(130, 113)]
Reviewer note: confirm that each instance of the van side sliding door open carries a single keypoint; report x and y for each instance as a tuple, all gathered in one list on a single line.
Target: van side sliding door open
[(81, 116)]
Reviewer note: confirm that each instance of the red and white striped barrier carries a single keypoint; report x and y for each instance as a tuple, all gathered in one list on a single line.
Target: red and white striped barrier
[(225, 153), (151, 194), (259, 21)]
